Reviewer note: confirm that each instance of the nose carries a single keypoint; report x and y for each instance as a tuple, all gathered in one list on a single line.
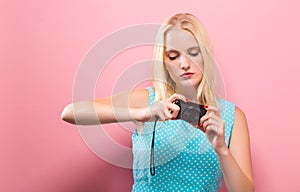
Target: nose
[(184, 62)]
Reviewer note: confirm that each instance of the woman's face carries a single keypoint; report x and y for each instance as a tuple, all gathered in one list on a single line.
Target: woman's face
[(183, 58)]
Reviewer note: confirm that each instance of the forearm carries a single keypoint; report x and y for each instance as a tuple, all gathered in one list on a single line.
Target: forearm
[(91, 113), (234, 177)]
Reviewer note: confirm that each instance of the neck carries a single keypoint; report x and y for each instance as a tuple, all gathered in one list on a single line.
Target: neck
[(189, 92)]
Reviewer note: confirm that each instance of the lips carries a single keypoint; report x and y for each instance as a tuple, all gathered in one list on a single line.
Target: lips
[(187, 75)]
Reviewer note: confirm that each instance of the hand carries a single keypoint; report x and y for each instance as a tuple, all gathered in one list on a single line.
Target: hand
[(165, 109), (214, 126)]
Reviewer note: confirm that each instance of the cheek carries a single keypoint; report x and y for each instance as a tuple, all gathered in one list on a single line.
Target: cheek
[(198, 63), (172, 70)]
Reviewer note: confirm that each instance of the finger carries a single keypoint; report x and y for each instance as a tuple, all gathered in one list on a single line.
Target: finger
[(212, 129), (211, 122), (176, 96), (158, 111), (198, 126), (173, 109), (212, 134), (206, 117), (167, 112), (211, 115), (161, 116), (213, 109)]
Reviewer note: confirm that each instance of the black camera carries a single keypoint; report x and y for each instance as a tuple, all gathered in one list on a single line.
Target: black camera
[(190, 112)]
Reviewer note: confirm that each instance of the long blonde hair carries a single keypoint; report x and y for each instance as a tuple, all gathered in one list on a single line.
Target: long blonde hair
[(163, 84)]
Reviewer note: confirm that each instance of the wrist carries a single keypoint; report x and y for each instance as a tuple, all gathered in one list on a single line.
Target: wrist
[(223, 152), (141, 114)]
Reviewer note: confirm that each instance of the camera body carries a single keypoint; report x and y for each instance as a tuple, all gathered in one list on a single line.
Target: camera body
[(190, 112)]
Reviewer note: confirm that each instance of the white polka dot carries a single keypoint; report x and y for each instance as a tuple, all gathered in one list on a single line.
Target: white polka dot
[(184, 158)]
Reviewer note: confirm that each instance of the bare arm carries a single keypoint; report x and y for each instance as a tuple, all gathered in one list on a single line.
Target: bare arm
[(126, 106), (236, 162)]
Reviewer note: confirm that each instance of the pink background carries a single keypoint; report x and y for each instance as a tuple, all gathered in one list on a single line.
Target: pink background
[(43, 42)]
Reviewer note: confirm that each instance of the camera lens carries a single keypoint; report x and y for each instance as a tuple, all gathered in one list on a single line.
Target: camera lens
[(191, 115)]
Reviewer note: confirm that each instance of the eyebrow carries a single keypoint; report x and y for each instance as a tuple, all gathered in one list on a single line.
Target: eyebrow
[(171, 51), (188, 50), (192, 48)]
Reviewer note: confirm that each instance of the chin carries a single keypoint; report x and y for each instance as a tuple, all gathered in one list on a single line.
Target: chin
[(189, 85)]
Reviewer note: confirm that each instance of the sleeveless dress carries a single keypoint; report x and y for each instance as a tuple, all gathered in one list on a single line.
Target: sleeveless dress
[(184, 159)]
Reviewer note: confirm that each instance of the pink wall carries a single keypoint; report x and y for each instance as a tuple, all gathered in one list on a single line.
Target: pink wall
[(43, 42)]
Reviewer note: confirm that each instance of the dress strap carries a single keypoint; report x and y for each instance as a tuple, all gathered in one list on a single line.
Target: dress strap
[(151, 95), (227, 110)]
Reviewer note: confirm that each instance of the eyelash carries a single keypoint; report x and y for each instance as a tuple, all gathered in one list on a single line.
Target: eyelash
[(192, 54), (173, 58)]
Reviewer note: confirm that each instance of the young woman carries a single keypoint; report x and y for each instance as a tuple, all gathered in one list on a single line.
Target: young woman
[(171, 154)]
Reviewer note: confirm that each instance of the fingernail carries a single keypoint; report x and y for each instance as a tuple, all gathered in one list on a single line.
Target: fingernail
[(205, 106)]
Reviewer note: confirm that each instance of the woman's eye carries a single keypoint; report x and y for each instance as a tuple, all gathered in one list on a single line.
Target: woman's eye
[(194, 51), (194, 54), (173, 57)]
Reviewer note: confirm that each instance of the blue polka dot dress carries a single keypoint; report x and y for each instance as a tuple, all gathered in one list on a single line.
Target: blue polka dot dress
[(184, 159)]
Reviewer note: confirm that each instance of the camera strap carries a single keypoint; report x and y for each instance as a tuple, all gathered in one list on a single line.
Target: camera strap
[(152, 167)]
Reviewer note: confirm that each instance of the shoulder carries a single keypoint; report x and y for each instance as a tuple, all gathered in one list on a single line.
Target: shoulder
[(225, 104), (240, 132), (236, 115), (239, 117), (139, 93), (227, 110)]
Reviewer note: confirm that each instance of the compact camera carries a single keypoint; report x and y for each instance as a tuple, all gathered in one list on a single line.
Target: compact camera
[(190, 112)]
